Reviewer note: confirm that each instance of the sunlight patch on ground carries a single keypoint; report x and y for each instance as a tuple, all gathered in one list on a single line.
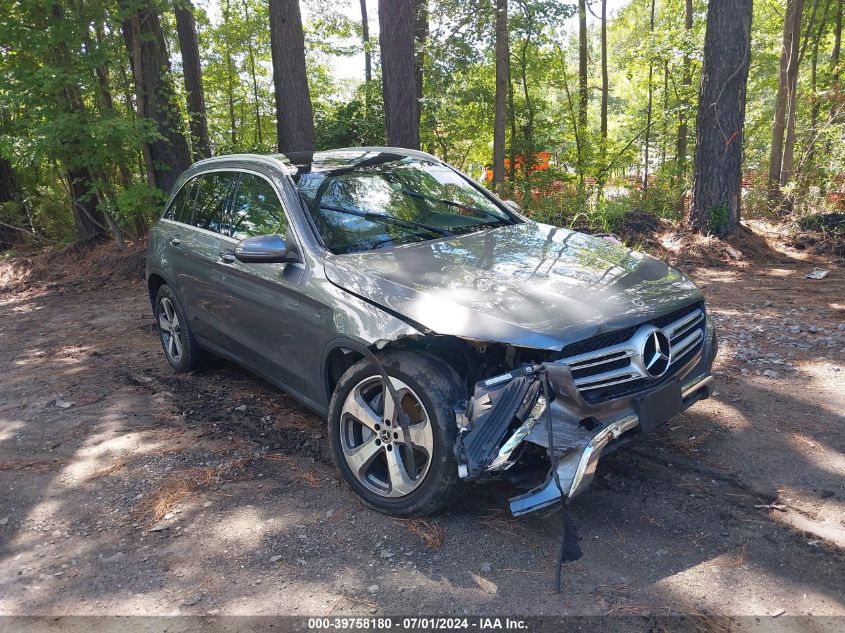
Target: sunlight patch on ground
[(733, 584), (822, 456)]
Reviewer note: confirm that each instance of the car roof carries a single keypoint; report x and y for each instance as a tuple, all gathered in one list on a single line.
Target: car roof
[(326, 161)]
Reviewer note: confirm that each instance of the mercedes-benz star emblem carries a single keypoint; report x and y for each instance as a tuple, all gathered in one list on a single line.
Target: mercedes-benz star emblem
[(656, 352)]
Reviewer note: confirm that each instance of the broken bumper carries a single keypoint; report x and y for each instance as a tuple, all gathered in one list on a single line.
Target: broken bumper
[(578, 449), (575, 469)]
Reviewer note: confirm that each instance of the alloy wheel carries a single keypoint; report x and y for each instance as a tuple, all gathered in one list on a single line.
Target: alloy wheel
[(373, 443), (170, 330)]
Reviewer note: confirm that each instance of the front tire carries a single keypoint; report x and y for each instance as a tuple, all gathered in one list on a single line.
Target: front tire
[(180, 347), (368, 444)]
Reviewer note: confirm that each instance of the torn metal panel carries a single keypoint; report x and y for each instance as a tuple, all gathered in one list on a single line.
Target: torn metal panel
[(575, 469)]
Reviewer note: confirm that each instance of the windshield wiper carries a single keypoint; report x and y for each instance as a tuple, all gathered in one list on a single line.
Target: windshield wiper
[(451, 203), (377, 217)]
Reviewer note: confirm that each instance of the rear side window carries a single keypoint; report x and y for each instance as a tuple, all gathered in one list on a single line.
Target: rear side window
[(213, 193), (256, 210), (182, 206)]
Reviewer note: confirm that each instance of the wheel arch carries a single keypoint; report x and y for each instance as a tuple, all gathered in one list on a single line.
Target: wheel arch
[(342, 353), (154, 282)]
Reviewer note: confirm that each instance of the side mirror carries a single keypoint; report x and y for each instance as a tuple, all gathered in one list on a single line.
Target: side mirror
[(264, 249)]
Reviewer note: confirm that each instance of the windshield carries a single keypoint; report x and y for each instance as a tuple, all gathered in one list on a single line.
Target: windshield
[(389, 199)]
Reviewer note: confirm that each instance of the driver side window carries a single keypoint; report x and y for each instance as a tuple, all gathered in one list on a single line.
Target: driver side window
[(256, 210)]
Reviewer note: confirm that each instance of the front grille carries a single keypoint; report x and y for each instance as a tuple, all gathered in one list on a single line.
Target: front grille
[(610, 365)]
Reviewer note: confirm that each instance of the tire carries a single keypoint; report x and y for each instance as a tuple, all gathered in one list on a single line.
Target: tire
[(180, 347), (428, 389)]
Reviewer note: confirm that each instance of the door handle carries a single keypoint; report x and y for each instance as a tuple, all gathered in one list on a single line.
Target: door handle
[(175, 240), (227, 258)]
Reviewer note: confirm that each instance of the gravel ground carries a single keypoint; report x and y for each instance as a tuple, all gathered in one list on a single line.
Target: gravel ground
[(127, 489)]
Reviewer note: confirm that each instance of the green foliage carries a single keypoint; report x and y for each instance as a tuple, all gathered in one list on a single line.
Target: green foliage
[(717, 217), (44, 59), (359, 121)]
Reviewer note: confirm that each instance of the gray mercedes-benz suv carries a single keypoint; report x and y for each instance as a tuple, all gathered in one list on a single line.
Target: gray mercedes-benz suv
[(445, 336)]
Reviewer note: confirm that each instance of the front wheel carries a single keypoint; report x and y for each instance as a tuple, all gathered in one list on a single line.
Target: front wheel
[(368, 444)]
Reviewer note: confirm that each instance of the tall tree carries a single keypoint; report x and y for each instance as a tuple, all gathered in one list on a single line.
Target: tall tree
[(365, 38), (686, 82), (648, 105), (815, 107), (231, 74), (294, 112), (9, 193), (252, 71), (835, 70), (88, 216), (793, 104), (186, 28), (605, 85), (167, 154), (583, 94), (420, 39), (502, 80), (787, 79), (397, 21), (717, 180), (837, 44)]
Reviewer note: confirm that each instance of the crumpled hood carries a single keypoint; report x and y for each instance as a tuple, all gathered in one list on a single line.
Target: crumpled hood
[(530, 284)]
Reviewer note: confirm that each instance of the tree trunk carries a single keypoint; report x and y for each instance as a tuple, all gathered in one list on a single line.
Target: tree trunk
[(8, 193), (512, 145), (792, 112), (230, 85), (528, 128), (648, 107), (104, 96), (834, 66), (502, 79), (815, 107), (88, 218), (294, 113), (167, 155), (605, 90), (583, 94), (788, 68), (420, 37), (664, 136), (256, 101), (837, 42), (186, 28), (683, 128), (106, 106), (399, 77), (717, 180), (365, 38)]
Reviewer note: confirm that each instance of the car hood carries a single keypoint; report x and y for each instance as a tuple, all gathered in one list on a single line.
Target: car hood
[(530, 284)]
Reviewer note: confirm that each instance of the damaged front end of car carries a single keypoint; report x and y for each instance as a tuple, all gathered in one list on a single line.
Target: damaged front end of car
[(545, 425)]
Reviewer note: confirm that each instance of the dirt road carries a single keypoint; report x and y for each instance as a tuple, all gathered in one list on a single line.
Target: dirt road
[(128, 489)]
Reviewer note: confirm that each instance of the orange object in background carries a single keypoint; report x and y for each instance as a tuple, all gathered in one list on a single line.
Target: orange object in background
[(541, 163)]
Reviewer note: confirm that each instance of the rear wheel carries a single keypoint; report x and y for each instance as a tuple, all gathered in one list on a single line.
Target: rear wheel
[(180, 348), (368, 444)]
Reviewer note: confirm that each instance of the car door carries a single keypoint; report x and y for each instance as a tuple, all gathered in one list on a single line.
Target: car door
[(260, 305), (175, 226), (199, 245)]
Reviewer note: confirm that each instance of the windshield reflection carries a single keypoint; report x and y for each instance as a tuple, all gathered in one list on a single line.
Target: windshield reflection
[(363, 200)]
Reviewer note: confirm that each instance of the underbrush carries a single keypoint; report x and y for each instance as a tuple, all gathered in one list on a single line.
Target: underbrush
[(99, 262)]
